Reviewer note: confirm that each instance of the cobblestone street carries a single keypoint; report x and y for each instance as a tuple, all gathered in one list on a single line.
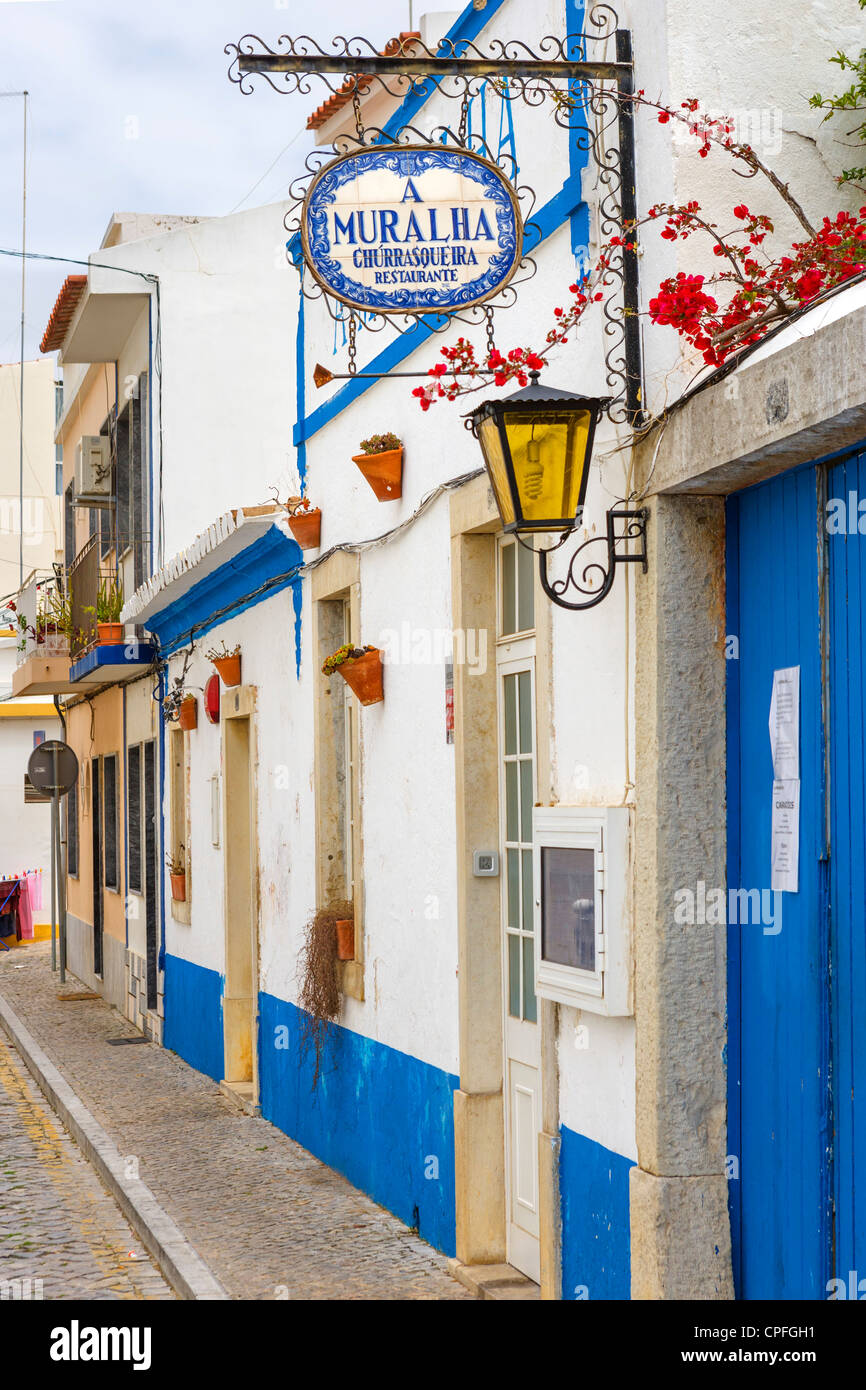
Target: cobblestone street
[(59, 1228), (268, 1218)]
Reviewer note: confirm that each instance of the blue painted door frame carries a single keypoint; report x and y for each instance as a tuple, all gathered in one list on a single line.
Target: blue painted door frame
[(847, 643), (797, 996)]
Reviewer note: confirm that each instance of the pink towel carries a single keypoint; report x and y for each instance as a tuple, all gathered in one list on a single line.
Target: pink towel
[(25, 915), (34, 880)]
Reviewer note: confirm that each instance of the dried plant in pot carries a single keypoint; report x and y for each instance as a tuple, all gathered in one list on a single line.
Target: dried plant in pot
[(228, 663), (361, 669), (382, 465), (187, 716), (305, 522), (176, 865), (319, 993)]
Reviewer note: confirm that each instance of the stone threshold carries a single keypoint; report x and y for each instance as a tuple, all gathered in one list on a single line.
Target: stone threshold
[(501, 1282), (241, 1095)]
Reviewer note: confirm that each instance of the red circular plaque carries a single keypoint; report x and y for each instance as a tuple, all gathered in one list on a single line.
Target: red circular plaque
[(212, 699)]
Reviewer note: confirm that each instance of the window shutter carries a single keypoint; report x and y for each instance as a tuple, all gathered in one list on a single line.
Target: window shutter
[(71, 810), (109, 821), (133, 801)]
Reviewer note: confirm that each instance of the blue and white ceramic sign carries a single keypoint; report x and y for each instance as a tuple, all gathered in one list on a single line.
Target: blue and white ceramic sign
[(408, 229)]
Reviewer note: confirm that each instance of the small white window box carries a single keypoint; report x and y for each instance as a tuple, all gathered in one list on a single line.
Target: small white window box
[(583, 906)]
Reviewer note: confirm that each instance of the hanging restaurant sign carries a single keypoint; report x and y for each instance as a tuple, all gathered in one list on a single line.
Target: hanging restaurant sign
[(407, 229)]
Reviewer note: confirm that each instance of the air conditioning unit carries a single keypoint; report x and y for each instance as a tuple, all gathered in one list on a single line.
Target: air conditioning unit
[(93, 486)]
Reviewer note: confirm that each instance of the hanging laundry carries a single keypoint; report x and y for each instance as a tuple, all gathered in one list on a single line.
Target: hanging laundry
[(25, 912), (34, 880)]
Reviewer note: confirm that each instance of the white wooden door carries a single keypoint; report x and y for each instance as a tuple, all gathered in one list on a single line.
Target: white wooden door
[(517, 780)]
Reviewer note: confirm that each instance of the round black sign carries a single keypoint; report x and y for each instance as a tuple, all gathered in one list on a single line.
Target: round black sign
[(53, 767)]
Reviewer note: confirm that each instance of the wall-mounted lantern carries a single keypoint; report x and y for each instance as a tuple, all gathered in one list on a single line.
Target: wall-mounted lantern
[(537, 447)]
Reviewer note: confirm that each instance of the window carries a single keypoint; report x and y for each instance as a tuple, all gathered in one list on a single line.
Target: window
[(179, 841), (582, 937), (336, 780), (133, 528), (151, 869), (516, 588), (111, 877), (336, 599), (31, 793), (133, 816), (70, 810), (518, 776), (69, 525)]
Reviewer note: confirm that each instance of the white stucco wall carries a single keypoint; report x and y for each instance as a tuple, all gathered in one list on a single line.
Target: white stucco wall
[(228, 412)]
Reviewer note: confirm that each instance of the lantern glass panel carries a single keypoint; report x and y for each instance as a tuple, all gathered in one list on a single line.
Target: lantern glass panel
[(494, 456), (548, 455)]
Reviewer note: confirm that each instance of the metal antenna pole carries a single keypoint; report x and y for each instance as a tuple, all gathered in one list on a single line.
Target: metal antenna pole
[(21, 381), (61, 896), (55, 835)]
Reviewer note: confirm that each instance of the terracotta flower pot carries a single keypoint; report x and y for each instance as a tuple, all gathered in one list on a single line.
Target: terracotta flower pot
[(109, 633), (363, 675), (384, 473), (188, 714), (178, 887), (229, 668), (345, 939), (306, 527)]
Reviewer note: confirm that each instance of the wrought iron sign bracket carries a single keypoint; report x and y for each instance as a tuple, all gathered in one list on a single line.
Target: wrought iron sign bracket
[(577, 578), (589, 95)]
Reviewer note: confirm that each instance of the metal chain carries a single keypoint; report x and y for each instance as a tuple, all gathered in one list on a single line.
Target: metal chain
[(464, 118), (488, 314), (352, 324), (356, 107)]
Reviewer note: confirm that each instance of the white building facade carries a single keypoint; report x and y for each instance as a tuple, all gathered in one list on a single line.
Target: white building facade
[(574, 1127)]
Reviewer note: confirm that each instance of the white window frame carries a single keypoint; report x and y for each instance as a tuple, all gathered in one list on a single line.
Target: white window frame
[(607, 832)]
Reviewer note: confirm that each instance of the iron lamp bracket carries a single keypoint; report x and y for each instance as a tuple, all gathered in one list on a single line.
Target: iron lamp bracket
[(627, 545)]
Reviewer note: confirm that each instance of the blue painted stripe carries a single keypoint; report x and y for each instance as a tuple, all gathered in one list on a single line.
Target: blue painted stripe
[(380, 1117), (577, 156), (193, 1015), (596, 1239), (273, 560), (163, 681), (466, 27)]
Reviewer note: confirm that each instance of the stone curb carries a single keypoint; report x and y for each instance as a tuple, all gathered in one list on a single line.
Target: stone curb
[(182, 1266)]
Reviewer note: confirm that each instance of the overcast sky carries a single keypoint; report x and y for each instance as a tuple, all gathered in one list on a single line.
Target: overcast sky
[(130, 110)]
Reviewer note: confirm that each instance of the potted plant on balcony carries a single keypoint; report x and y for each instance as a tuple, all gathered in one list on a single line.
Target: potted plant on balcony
[(361, 669), (319, 994), (187, 715), (176, 865), (57, 624), (109, 602), (228, 663), (382, 465)]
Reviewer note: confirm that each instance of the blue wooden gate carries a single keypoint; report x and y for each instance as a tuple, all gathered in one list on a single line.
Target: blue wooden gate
[(778, 994), (797, 997)]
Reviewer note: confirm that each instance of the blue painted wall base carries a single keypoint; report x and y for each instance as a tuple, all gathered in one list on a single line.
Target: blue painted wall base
[(596, 1240), (193, 1015), (380, 1117)]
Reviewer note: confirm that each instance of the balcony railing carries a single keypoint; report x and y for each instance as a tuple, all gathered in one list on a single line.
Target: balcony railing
[(83, 580), (40, 608)]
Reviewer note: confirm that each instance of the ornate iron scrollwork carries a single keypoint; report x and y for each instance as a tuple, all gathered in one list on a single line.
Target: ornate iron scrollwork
[(593, 99), (579, 579)]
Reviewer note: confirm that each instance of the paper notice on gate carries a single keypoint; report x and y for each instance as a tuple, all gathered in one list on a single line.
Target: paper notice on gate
[(785, 836), (785, 724)]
